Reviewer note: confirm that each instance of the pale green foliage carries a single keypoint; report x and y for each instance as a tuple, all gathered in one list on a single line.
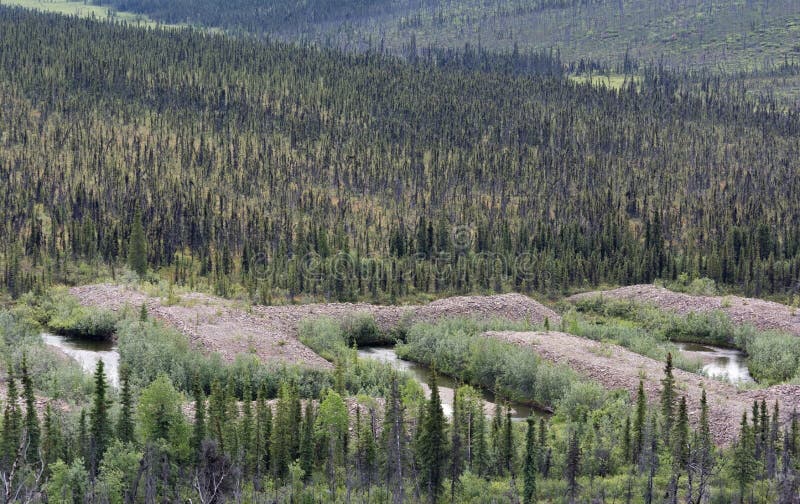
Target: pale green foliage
[(160, 416), (332, 417), (67, 483), (116, 470)]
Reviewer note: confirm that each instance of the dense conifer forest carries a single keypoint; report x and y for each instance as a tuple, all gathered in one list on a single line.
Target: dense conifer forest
[(166, 161), (286, 171)]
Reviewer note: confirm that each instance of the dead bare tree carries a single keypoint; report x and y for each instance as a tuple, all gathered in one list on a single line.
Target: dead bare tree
[(22, 489), (214, 476)]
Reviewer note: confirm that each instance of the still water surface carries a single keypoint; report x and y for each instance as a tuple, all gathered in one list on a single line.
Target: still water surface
[(387, 355), (87, 353), (725, 363)]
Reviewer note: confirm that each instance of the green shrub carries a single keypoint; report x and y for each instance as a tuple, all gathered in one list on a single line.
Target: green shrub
[(772, 357), (323, 335), (457, 347), (362, 330)]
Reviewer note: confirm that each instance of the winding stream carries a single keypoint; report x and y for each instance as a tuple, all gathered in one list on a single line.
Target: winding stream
[(387, 355), (87, 353)]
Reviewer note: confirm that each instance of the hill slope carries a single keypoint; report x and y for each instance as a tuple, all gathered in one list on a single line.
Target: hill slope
[(285, 171), (725, 33)]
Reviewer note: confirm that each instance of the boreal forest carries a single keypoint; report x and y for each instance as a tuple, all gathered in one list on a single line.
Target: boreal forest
[(418, 251)]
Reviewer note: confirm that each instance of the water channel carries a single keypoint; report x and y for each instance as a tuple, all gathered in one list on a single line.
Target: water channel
[(723, 363), (387, 355), (87, 353)]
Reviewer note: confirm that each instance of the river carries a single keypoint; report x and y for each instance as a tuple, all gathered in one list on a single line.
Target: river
[(87, 353), (519, 412)]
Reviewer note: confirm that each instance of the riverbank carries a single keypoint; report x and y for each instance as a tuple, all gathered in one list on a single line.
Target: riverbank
[(615, 367)]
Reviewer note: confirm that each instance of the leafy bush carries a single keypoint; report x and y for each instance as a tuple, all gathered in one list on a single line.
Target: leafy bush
[(61, 313), (149, 349), (54, 375), (86, 323), (772, 357), (362, 330), (457, 348), (323, 335)]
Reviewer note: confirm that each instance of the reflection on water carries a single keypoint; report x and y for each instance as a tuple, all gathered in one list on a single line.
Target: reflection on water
[(721, 362), (87, 353), (422, 374)]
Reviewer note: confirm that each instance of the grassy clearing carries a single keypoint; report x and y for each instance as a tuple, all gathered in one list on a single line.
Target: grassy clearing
[(610, 81), (84, 10)]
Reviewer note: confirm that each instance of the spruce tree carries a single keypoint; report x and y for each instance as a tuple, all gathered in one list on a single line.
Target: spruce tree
[(246, 428), (529, 493), (668, 399), (199, 427), (137, 246), (51, 437), (394, 440), (31, 419), (125, 428), (432, 443), (12, 425), (100, 426), (82, 450), (744, 460), (705, 448), (638, 424), (217, 415), (307, 442), (480, 450), (572, 465), (680, 449), (263, 431), (508, 441), (455, 440)]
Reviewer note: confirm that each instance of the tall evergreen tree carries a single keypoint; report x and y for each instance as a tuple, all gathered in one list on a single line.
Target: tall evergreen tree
[(432, 443), (455, 444), (12, 424), (51, 437), (395, 441), (125, 428), (744, 460), (263, 431), (668, 400), (246, 423), (640, 416), (529, 469), (572, 465), (199, 427), (99, 424), (307, 444), (137, 246), (32, 429)]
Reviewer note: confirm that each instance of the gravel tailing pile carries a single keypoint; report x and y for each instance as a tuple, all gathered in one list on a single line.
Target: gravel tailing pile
[(764, 315), (615, 367), (218, 325), (514, 307)]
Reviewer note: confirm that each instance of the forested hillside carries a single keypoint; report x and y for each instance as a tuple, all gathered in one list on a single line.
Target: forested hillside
[(292, 171), (732, 34)]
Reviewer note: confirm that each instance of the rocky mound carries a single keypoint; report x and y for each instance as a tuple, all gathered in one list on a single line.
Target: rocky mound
[(765, 315), (270, 332)]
